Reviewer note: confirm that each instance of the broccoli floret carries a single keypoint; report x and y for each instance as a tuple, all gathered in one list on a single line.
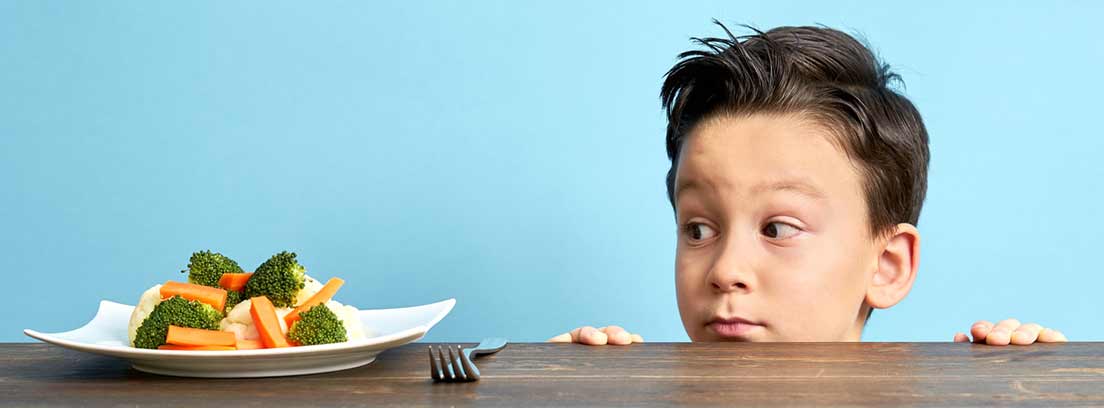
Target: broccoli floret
[(175, 311), (318, 325), (280, 278), (233, 297), (206, 268)]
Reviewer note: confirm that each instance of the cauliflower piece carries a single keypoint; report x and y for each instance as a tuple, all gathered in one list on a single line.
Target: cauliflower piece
[(350, 318), (149, 300), (310, 288), (240, 321)]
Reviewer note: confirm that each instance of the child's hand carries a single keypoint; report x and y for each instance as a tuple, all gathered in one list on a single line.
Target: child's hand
[(1010, 331), (598, 337)]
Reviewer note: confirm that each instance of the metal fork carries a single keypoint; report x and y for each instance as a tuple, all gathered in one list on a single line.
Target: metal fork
[(453, 364)]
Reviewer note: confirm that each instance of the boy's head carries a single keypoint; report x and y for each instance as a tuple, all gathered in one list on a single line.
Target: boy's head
[(797, 177)]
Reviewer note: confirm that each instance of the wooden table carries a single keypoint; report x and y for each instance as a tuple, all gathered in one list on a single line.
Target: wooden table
[(540, 374)]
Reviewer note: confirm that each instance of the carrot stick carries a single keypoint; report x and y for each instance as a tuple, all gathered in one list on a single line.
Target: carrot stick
[(212, 296), (250, 345), (324, 295), (234, 281), (194, 348), (185, 336), (268, 325)]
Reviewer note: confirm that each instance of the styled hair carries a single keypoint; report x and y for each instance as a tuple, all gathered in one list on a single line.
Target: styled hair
[(823, 74)]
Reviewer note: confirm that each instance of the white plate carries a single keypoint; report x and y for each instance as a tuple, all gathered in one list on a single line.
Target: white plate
[(106, 334)]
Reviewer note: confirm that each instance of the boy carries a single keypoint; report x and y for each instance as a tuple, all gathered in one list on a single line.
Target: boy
[(797, 177)]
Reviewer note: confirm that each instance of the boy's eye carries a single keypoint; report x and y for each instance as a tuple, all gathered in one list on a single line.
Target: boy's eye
[(699, 232), (779, 230)]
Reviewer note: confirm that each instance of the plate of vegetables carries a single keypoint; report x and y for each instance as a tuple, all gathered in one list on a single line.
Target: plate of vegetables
[(224, 322)]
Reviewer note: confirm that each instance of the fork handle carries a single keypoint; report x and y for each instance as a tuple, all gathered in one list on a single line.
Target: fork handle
[(489, 345)]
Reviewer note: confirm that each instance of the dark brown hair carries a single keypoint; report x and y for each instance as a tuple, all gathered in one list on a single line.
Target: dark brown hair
[(820, 72)]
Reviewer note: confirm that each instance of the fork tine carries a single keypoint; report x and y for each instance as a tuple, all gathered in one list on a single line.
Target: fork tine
[(446, 367), (457, 363), (434, 367), (455, 368), (470, 371)]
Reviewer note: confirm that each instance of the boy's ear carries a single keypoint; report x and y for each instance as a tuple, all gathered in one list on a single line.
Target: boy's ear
[(896, 267)]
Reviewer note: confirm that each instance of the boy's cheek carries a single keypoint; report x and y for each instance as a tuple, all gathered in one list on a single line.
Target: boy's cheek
[(813, 314), (691, 275), (691, 296)]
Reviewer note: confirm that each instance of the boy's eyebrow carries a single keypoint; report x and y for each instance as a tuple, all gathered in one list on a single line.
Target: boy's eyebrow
[(795, 185), (684, 185)]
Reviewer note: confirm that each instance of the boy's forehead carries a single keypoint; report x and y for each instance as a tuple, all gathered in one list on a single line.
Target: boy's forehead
[(762, 153)]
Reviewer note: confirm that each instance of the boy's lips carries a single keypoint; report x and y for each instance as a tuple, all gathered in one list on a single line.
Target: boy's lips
[(733, 326)]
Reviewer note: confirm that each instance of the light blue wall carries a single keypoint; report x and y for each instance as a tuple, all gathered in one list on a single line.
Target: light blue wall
[(509, 156)]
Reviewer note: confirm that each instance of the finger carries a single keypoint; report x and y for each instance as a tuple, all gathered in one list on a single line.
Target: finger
[(998, 338), (1008, 325), (1026, 334), (563, 338), (575, 334), (961, 338), (617, 335), (637, 339), (592, 336), (1051, 336), (981, 329), (1001, 334)]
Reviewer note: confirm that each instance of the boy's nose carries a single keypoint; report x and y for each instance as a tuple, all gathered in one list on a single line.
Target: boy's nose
[(729, 274), (728, 283)]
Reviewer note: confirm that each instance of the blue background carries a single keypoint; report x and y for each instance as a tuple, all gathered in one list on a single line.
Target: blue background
[(508, 155)]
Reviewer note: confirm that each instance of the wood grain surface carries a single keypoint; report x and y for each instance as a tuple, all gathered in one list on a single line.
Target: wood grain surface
[(542, 374)]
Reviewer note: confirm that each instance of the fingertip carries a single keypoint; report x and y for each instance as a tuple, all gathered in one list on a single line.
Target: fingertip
[(1010, 323), (563, 338), (637, 339), (576, 334), (1021, 339), (998, 338), (612, 330), (1027, 334), (617, 335), (620, 338), (1051, 336), (979, 331), (599, 339), (592, 336), (1031, 327), (982, 323), (961, 338)]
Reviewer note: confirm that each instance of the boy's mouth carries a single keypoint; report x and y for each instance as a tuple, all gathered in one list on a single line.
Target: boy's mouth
[(734, 327)]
